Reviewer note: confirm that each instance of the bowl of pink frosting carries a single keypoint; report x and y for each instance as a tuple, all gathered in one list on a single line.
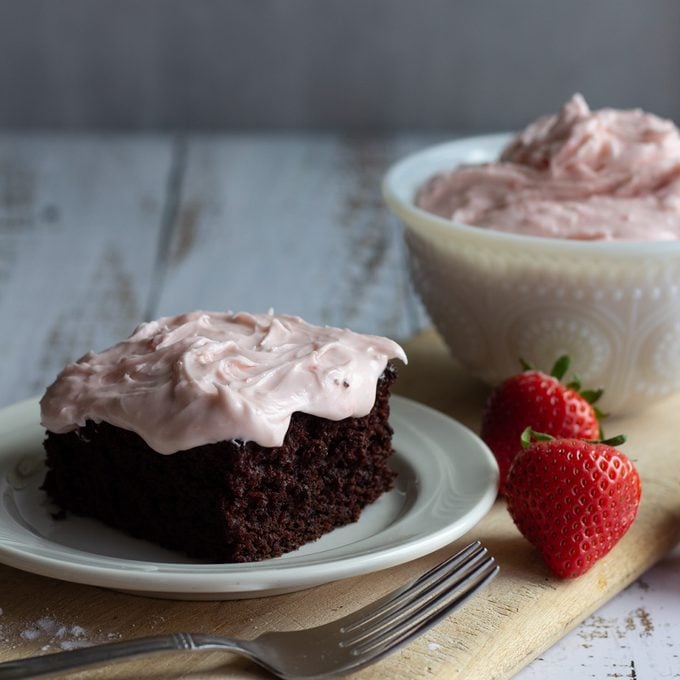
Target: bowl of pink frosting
[(561, 239)]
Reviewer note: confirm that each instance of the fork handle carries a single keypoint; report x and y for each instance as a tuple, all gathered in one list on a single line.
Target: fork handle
[(48, 664)]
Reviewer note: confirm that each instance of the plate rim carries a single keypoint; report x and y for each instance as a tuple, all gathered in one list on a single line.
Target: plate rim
[(269, 576)]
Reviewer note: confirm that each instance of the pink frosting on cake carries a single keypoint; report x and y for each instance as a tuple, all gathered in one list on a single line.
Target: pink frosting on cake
[(580, 174), (204, 377)]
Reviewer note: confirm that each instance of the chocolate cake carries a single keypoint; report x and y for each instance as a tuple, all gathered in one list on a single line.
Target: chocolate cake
[(230, 500)]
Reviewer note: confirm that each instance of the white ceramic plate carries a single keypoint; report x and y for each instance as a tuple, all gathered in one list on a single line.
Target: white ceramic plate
[(446, 483)]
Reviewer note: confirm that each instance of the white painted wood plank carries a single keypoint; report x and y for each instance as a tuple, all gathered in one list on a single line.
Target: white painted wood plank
[(295, 223), (632, 636), (79, 225)]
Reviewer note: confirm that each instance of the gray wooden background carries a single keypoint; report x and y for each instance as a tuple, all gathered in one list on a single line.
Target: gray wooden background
[(362, 65)]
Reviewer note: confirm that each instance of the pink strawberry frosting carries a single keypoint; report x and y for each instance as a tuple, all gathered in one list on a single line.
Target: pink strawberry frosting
[(204, 377), (579, 174)]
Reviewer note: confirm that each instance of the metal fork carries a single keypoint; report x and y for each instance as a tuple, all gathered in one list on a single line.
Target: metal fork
[(335, 648)]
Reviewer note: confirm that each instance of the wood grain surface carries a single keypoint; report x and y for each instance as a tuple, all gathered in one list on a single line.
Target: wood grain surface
[(100, 232)]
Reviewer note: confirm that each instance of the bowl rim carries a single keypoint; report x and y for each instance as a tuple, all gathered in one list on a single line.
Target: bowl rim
[(404, 207)]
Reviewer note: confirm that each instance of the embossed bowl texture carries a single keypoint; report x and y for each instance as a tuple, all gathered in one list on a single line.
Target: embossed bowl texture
[(614, 307)]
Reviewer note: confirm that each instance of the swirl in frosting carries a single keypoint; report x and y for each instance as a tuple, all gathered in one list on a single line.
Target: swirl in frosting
[(579, 174), (205, 377)]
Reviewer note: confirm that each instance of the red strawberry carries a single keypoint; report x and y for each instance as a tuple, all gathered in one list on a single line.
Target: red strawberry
[(572, 499), (540, 401)]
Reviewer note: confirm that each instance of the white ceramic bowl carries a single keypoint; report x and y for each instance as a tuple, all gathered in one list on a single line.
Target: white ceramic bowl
[(496, 297)]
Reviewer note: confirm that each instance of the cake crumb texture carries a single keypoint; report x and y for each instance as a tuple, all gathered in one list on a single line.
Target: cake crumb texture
[(230, 501)]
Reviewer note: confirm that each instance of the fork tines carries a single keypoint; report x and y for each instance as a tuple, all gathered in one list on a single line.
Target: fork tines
[(409, 611)]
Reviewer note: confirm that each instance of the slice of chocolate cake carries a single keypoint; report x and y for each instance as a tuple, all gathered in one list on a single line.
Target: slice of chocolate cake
[(231, 438)]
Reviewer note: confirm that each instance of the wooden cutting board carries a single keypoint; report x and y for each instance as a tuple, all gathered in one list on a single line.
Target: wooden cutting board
[(518, 616)]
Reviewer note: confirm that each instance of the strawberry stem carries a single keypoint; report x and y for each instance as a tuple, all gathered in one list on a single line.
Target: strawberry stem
[(529, 436), (591, 396), (561, 367), (559, 370), (610, 441), (575, 385)]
